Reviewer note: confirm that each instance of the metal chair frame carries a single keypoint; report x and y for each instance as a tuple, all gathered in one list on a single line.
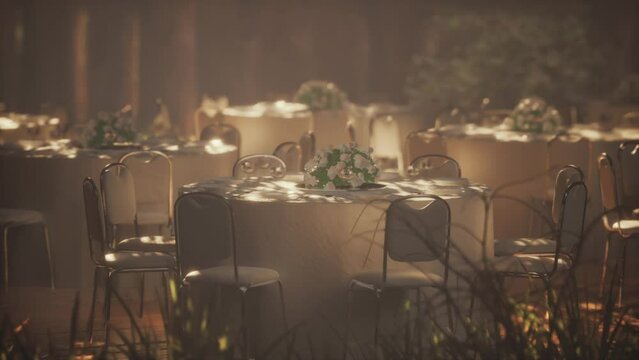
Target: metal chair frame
[(559, 252), (379, 291), (445, 158), (604, 160), (225, 130), (152, 156), (90, 189), (5, 248), (282, 151), (265, 158), (242, 290), (307, 144)]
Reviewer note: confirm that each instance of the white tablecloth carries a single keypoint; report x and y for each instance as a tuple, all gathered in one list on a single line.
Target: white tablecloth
[(313, 239), (51, 182)]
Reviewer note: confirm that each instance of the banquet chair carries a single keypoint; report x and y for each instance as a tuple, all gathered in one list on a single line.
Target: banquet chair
[(422, 142), (259, 166), (628, 159), (14, 218), (615, 220), (227, 133), (434, 166), (307, 143), (120, 208), (414, 232), (545, 265), (567, 176), (114, 262), (205, 234), (291, 153), (141, 163)]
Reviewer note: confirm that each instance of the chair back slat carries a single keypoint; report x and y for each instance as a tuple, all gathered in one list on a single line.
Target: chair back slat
[(628, 159), (118, 192), (95, 220), (565, 177), (291, 153), (259, 166), (204, 233), (153, 178), (572, 216), (434, 166), (417, 229)]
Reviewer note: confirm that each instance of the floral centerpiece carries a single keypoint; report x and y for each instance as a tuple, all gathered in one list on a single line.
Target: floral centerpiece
[(533, 115), (321, 95), (345, 167), (110, 129)]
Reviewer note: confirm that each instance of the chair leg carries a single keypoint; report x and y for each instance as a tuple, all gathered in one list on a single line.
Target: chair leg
[(5, 248), (92, 312), (418, 330), (167, 307), (107, 309), (623, 272), (378, 310), (281, 290), (245, 346), (349, 305), (604, 266), (47, 244), (141, 294)]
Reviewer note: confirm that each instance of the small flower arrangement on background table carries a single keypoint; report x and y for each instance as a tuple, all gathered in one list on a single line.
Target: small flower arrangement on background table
[(340, 168), (533, 115), (321, 95), (110, 129)]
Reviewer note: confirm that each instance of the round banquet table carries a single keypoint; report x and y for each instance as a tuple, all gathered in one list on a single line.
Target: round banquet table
[(518, 165), (51, 182), (316, 242), (263, 126)]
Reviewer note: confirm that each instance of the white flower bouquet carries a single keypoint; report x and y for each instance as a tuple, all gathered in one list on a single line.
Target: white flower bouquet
[(345, 167), (109, 129), (321, 95), (533, 115)]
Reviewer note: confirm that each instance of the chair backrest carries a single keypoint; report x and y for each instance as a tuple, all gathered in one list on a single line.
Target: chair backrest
[(118, 194), (259, 166), (417, 229), (95, 220), (422, 142), (153, 178), (434, 166), (385, 139), (565, 177), (204, 232), (307, 143), (566, 148), (608, 188), (291, 153), (228, 133), (628, 159), (572, 216)]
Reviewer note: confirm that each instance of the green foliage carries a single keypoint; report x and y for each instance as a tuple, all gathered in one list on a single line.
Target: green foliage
[(108, 129), (321, 95), (505, 56)]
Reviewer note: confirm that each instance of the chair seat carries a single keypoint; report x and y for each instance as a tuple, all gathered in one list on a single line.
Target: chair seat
[(626, 225), (17, 217), (147, 243), (122, 260), (524, 246), (524, 264), (225, 275), (397, 279)]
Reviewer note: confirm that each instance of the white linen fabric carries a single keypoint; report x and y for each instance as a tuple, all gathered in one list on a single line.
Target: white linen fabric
[(317, 240), (50, 182)]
